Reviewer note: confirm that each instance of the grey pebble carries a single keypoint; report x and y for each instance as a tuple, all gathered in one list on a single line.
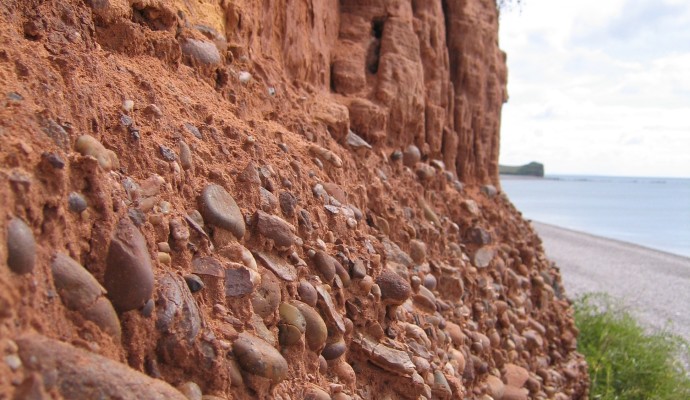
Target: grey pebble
[(167, 153), (194, 283), (220, 209), (76, 202), (193, 130)]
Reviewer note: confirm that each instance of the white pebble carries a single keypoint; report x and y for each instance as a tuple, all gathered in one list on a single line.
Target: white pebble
[(13, 361), (128, 105), (244, 77)]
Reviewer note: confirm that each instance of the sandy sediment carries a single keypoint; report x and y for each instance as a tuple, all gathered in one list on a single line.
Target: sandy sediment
[(652, 283)]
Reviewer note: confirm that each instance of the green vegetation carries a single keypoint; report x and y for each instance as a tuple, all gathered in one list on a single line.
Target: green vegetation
[(531, 169), (624, 361)]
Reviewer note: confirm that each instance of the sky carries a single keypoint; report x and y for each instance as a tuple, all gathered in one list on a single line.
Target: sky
[(598, 87)]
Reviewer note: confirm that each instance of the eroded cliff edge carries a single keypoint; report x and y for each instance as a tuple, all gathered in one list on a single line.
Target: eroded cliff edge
[(285, 199)]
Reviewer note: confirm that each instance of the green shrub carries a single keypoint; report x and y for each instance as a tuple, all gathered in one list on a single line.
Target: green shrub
[(624, 361)]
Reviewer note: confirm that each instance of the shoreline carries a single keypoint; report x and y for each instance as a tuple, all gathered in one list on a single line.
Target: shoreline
[(652, 283)]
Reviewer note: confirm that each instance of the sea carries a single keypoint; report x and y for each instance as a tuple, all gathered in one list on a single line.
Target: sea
[(651, 212)]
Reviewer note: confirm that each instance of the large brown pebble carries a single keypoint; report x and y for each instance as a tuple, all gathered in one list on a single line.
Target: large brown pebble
[(266, 298), (219, 208), (292, 324), (411, 155), (513, 393), (314, 393), (258, 358), (77, 288), (325, 264), (274, 228), (128, 274), (103, 314), (21, 247), (334, 350), (515, 375), (394, 288), (316, 331), (80, 374), (418, 251), (307, 293), (496, 387)]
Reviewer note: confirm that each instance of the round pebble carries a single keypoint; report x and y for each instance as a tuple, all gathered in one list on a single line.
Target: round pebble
[(259, 358), (316, 331), (21, 247), (219, 208), (76, 202), (194, 283), (128, 274), (200, 51), (394, 288), (325, 264), (411, 155)]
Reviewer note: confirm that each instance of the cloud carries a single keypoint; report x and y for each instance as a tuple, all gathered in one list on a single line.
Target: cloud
[(606, 83)]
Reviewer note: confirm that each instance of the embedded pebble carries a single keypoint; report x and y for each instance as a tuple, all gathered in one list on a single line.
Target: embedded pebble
[(316, 332), (219, 208), (128, 274), (104, 316), (167, 153), (489, 190), (333, 350), (430, 282), (292, 324), (278, 265), (77, 288), (127, 105), (238, 282), (355, 141), (200, 51), (315, 393), (266, 298), (331, 311), (482, 258), (269, 202), (250, 174), (325, 264), (90, 146), (287, 203), (392, 360), (418, 251), (76, 202), (274, 228), (307, 293), (185, 155), (244, 77), (194, 283), (191, 390), (394, 288), (177, 313), (259, 358), (13, 361), (21, 247), (411, 156)]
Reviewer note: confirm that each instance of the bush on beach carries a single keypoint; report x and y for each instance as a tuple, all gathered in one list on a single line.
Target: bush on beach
[(625, 362)]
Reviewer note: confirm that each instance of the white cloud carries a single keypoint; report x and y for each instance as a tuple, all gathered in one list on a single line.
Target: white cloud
[(599, 87)]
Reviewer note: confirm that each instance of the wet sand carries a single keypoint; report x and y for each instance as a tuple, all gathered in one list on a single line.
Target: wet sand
[(654, 284)]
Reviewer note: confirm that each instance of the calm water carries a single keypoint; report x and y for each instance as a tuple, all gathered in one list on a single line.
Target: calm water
[(652, 212)]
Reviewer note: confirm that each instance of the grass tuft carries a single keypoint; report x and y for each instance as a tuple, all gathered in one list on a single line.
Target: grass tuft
[(625, 362)]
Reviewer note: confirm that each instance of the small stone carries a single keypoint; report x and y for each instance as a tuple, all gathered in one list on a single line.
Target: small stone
[(489, 190), (359, 271), (13, 361), (219, 208), (334, 350), (287, 203), (266, 298), (394, 288), (329, 307), (292, 324), (191, 390), (77, 288), (418, 251), (148, 308), (53, 160), (153, 110), (194, 283), (191, 128), (316, 331), (89, 146), (128, 274), (307, 293), (21, 247), (185, 156), (274, 228), (238, 282), (315, 393), (76, 202), (244, 77), (392, 360), (269, 202), (250, 174), (396, 155), (200, 52), (482, 258), (471, 206), (355, 141), (430, 282), (127, 106), (259, 358), (278, 265), (167, 153), (325, 264), (411, 156)]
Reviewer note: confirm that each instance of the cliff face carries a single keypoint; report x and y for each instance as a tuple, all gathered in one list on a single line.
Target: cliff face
[(276, 199)]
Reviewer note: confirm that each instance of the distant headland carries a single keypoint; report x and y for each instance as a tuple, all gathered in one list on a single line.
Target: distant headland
[(532, 169)]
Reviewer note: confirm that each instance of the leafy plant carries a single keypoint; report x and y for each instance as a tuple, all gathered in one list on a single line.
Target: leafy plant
[(624, 361)]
